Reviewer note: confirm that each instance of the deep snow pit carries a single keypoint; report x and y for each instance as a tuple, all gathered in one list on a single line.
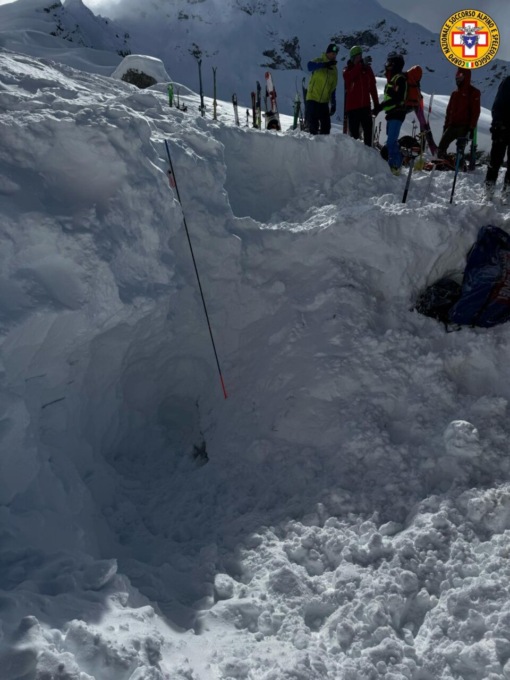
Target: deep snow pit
[(352, 520)]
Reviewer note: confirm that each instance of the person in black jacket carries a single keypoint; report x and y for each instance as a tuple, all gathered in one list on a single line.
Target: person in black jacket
[(500, 133), (394, 107)]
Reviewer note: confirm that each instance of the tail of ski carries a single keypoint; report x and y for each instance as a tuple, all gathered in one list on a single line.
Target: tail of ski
[(305, 92), (297, 111), (254, 109), (258, 106), (236, 112), (215, 103), (272, 116)]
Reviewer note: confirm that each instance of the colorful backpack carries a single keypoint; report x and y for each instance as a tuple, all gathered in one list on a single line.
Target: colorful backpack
[(414, 97), (485, 297)]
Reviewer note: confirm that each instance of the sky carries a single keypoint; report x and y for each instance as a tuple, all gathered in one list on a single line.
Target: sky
[(344, 512)]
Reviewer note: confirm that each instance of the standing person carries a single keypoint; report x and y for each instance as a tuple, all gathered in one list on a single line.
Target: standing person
[(360, 87), (500, 133), (394, 107), (321, 95), (414, 103), (462, 112)]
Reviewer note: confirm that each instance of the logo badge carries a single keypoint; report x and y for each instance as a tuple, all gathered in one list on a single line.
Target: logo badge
[(469, 38)]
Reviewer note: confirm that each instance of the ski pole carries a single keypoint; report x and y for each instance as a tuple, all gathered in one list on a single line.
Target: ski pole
[(411, 158), (173, 184), (461, 145)]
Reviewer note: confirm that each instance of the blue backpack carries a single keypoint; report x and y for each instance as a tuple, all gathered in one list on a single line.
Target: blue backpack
[(485, 294)]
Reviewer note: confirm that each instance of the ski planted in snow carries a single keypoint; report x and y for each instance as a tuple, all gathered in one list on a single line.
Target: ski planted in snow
[(305, 92), (272, 115), (170, 94), (258, 106), (297, 111), (254, 109), (201, 108), (215, 102), (236, 111)]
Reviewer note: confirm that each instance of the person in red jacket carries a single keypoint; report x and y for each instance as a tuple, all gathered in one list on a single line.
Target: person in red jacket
[(360, 87), (462, 112)]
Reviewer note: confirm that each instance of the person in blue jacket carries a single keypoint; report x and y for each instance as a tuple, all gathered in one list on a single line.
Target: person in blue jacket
[(321, 95)]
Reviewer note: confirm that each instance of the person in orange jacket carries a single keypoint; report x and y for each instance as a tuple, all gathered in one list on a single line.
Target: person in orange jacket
[(462, 112), (360, 87)]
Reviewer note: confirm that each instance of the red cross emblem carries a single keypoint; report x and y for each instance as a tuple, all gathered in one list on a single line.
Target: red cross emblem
[(470, 37)]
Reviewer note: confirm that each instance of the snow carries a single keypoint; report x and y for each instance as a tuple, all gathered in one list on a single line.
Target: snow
[(70, 34), (144, 64), (345, 512)]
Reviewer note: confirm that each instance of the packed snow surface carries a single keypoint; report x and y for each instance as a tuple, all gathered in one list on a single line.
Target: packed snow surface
[(143, 64), (345, 512)]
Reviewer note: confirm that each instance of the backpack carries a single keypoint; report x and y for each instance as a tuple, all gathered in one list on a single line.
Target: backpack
[(485, 298), (406, 144), (414, 97)]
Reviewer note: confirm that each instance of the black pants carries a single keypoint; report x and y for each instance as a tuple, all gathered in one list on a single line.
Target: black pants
[(450, 134), (361, 119), (500, 147), (319, 121)]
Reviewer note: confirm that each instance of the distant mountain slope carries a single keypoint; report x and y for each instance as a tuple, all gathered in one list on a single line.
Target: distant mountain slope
[(241, 38), (245, 37), (62, 32)]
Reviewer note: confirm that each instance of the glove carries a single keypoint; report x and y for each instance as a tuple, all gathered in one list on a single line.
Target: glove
[(376, 110), (329, 64), (368, 60), (332, 109)]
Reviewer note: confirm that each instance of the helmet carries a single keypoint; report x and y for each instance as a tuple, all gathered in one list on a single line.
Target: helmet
[(395, 61), (355, 50)]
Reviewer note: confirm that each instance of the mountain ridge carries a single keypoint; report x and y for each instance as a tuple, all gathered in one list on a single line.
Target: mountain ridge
[(241, 39)]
